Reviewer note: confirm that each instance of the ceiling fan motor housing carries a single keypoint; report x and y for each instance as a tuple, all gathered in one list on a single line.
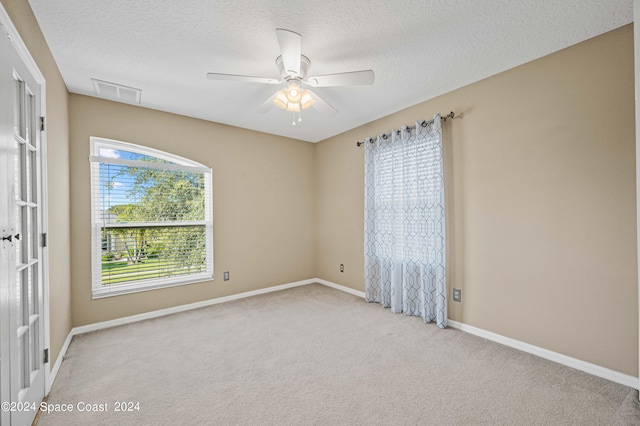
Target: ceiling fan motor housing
[(305, 64), (293, 68)]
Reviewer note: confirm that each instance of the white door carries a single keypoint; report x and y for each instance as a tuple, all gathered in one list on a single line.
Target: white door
[(21, 277)]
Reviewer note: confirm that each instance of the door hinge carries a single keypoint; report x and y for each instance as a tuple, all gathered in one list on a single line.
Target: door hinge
[(42, 124), (44, 239), (46, 355)]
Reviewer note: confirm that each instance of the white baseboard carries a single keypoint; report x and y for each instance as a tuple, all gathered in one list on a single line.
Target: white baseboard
[(58, 363), (596, 370), (587, 367), (339, 287), (182, 308), (159, 313)]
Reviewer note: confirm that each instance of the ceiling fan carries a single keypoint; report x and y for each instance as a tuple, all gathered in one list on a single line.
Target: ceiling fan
[(293, 67)]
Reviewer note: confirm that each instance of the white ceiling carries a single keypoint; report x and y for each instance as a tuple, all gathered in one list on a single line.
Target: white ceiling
[(418, 49)]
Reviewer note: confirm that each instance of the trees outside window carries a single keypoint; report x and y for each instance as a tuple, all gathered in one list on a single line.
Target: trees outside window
[(153, 214)]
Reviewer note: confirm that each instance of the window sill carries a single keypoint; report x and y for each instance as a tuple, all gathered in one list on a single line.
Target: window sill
[(122, 289)]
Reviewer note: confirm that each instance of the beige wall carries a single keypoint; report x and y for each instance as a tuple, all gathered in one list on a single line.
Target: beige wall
[(541, 197), (541, 200), (57, 179), (263, 214)]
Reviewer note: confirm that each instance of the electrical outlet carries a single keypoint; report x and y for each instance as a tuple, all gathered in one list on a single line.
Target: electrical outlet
[(225, 276), (457, 295), (341, 267)]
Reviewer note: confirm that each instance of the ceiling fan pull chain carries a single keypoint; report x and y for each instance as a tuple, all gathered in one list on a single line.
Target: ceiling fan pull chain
[(293, 67)]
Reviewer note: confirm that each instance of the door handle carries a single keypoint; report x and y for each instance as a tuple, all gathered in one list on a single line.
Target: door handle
[(9, 237)]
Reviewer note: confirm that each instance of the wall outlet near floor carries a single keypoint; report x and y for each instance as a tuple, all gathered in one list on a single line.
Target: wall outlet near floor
[(225, 275), (341, 267), (457, 295)]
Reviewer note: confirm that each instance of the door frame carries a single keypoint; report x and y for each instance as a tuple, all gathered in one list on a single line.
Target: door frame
[(25, 55), (636, 44)]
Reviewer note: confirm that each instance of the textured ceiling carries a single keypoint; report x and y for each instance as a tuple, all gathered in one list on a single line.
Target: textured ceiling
[(418, 49)]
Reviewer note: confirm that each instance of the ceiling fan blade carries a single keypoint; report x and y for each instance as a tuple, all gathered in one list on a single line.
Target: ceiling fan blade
[(354, 78), (291, 50), (321, 105), (266, 105), (245, 78)]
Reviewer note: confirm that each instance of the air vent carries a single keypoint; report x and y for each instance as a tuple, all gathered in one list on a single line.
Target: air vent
[(117, 92)]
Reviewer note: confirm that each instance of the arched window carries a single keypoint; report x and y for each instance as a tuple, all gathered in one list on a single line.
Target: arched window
[(151, 219)]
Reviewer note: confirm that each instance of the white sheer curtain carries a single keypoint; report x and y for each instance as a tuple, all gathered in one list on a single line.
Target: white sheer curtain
[(405, 222)]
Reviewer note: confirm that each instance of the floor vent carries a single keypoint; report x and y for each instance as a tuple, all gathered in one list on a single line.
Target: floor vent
[(117, 92)]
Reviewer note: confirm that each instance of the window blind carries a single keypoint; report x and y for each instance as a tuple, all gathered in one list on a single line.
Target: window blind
[(151, 219)]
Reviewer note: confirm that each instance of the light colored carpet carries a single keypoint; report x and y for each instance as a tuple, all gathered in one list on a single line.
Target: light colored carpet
[(316, 356)]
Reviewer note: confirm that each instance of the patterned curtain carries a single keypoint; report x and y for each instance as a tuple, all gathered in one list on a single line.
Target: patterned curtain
[(405, 222)]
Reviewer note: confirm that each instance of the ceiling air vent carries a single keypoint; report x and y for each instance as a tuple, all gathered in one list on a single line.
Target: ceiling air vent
[(117, 92)]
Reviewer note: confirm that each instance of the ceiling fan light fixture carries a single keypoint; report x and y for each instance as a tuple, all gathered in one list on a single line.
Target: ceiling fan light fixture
[(293, 68), (293, 106), (306, 100), (293, 98), (293, 91), (280, 99)]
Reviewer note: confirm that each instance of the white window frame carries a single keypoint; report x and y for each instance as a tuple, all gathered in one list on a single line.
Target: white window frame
[(177, 163)]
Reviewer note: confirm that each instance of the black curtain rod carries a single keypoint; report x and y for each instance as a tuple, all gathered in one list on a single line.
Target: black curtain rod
[(423, 124)]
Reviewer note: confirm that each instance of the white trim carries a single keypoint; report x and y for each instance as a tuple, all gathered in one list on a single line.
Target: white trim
[(98, 142), (150, 284), (34, 70), (587, 367), (596, 370), (636, 39), (99, 221), (20, 47), (176, 223), (160, 313), (148, 165), (58, 363), (340, 287), (182, 308)]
